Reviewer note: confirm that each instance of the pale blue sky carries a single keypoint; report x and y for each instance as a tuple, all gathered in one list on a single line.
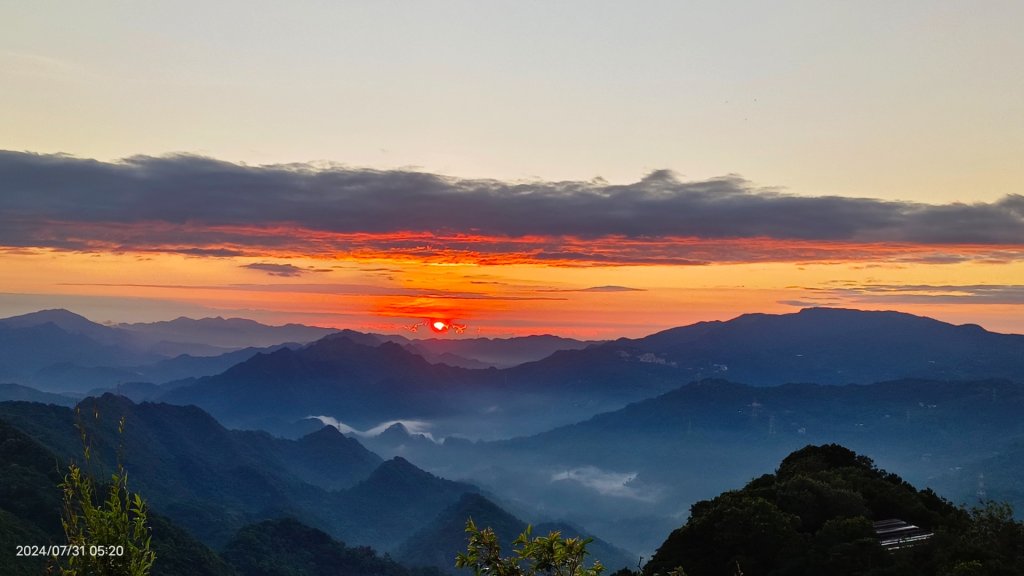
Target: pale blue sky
[(918, 100)]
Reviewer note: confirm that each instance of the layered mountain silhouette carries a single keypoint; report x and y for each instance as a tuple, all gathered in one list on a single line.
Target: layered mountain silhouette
[(224, 333), (30, 512), (617, 436), (213, 481), (69, 322), (400, 498), (30, 506), (25, 350), (493, 352), (25, 393), (58, 350), (644, 463), (363, 384), (823, 346), (334, 376), (153, 340)]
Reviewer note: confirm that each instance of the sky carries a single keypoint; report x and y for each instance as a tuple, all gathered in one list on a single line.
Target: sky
[(592, 169)]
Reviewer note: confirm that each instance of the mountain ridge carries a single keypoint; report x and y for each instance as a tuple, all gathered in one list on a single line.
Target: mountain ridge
[(365, 384), (213, 481)]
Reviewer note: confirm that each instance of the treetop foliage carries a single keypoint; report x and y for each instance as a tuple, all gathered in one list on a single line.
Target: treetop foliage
[(550, 555), (112, 536)]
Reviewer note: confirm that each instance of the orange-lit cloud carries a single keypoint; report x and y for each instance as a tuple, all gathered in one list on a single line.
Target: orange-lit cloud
[(453, 248)]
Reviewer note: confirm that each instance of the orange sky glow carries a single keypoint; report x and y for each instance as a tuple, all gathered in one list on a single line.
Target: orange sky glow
[(392, 282)]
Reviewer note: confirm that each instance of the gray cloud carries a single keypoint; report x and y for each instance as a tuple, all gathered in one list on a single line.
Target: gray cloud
[(333, 289), (611, 289), (285, 270), (607, 483), (799, 303), (595, 289), (202, 206), (927, 293)]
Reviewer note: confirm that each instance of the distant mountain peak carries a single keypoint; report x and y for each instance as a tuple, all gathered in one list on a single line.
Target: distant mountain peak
[(396, 429), (54, 313), (399, 463), (840, 311), (840, 314), (326, 432), (224, 333), (330, 437), (62, 318), (402, 469)]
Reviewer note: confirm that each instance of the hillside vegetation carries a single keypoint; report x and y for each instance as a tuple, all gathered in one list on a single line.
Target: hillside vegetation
[(815, 515)]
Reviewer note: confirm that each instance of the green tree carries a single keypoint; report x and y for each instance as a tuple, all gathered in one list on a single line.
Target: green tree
[(109, 537), (549, 555)]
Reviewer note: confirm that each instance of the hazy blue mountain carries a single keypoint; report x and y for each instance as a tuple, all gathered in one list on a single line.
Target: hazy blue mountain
[(324, 458), (145, 349), (493, 352), (24, 351), (827, 346), (214, 481), (611, 556), (142, 383), (84, 380), (996, 475), (400, 498), (129, 380), (206, 478), (364, 385), (28, 394), (396, 440), (650, 460), (187, 366), (437, 544), (69, 322), (335, 376), (58, 350), (449, 359), (912, 416), (230, 333), (821, 345), (134, 391)]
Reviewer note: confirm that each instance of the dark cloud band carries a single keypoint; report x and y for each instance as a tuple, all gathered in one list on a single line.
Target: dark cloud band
[(191, 204)]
